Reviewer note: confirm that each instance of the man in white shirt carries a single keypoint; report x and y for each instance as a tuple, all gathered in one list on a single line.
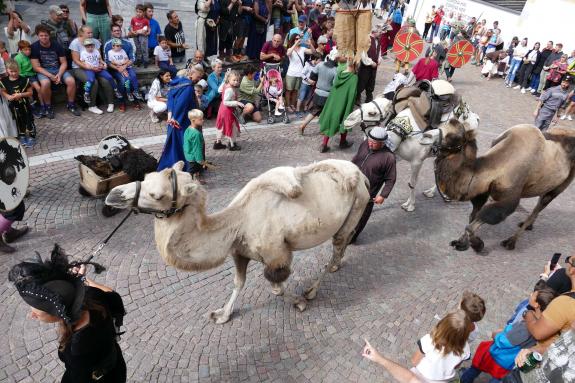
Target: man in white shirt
[(16, 30)]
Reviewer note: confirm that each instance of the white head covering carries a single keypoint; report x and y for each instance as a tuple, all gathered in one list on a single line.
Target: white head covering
[(333, 54), (378, 133)]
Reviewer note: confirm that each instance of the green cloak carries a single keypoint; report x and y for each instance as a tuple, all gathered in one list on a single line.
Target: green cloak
[(339, 104)]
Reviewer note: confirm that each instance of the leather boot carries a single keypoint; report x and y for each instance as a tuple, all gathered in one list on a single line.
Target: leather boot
[(5, 248), (13, 234)]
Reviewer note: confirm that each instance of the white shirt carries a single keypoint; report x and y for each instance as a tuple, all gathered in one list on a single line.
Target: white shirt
[(77, 46), (163, 55), (274, 91), (435, 365), (91, 58), (2, 66), (19, 34), (520, 51), (398, 79), (117, 57), (296, 62)]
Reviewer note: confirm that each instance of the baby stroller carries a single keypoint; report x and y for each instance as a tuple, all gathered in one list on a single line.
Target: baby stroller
[(271, 71)]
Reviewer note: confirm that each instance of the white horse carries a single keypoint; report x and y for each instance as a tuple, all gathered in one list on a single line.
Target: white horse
[(415, 147)]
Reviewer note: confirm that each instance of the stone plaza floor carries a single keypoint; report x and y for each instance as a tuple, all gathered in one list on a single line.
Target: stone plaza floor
[(393, 286)]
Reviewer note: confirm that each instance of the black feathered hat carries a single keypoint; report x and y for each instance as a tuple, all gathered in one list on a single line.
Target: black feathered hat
[(48, 285)]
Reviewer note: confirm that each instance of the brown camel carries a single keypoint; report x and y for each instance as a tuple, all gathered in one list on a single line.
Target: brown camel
[(521, 163)]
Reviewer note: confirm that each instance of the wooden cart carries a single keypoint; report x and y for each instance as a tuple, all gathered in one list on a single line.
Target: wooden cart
[(92, 185)]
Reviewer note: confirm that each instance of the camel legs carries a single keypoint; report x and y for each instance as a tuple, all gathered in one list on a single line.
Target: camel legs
[(223, 315), (339, 243), (409, 205), (544, 200), (491, 213)]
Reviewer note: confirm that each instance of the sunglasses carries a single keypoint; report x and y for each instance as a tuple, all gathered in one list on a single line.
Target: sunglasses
[(65, 11)]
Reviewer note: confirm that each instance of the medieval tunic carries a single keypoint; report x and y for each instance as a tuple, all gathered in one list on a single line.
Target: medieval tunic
[(379, 168), (226, 122), (339, 104)]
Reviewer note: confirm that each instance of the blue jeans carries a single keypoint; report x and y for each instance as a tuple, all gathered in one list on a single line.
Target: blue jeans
[(471, 374), (91, 77), (434, 30), (513, 68), (304, 91), (535, 80), (129, 83)]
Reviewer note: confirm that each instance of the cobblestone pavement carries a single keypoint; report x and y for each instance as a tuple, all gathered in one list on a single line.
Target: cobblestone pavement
[(392, 287)]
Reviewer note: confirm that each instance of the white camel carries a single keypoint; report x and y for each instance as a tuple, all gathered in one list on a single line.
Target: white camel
[(415, 147), (282, 210)]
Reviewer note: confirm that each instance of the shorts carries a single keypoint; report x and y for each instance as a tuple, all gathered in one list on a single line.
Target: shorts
[(255, 104), (318, 104), (304, 91), (293, 83), (33, 79), (54, 71)]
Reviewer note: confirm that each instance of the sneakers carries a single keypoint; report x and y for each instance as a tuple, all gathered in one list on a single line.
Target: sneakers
[(154, 117), (13, 234), (530, 90), (37, 110), (95, 110), (110, 108), (74, 110), (50, 112), (138, 96), (517, 87), (31, 142), (566, 116), (218, 145), (561, 118), (87, 98), (118, 94), (234, 148), (130, 97), (523, 90), (570, 118)]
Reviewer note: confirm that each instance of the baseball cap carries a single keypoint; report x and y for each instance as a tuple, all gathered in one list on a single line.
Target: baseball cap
[(318, 2), (302, 19), (89, 42), (56, 9), (116, 42)]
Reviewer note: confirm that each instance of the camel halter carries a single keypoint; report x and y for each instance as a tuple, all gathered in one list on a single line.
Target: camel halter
[(166, 213)]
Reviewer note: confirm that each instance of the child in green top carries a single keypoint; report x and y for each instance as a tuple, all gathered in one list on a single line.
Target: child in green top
[(26, 71), (194, 144)]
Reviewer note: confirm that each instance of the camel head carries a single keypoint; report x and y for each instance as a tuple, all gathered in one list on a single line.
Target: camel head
[(156, 195), (370, 113), (456, 139)]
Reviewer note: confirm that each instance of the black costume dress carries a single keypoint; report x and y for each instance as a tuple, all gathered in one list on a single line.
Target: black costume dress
[(94, 349)]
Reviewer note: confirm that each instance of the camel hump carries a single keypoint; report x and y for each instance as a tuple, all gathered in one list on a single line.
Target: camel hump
[(522, 132), (283, 180), (344, 173)]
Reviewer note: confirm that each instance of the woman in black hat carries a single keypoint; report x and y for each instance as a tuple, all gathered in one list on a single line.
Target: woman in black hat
[(88, 316)]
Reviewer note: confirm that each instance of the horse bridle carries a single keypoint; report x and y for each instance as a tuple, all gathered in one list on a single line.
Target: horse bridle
[(362, 124), (166, 213)]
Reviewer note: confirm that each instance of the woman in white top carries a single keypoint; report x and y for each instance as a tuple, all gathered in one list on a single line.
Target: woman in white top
[(439, 354), (528, 64), (158, 95), (16, 30), (296, 54), (518, 54)]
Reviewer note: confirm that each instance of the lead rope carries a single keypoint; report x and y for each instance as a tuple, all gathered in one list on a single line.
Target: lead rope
[(105, 241)]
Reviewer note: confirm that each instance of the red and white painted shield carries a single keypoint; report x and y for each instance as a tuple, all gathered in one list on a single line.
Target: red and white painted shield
[(460, 53), (407, 46)]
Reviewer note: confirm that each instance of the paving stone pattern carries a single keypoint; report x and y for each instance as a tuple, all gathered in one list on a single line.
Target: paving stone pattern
[(393, 285)]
